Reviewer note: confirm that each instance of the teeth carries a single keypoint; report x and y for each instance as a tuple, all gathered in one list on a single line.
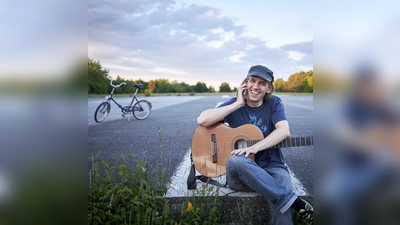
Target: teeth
[(255, 92)]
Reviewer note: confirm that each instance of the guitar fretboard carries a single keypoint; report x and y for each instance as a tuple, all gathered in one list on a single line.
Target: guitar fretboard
[(288, 142)]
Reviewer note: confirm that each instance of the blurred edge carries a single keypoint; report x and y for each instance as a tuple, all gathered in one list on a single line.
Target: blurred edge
[(356, 166), (43, 132)]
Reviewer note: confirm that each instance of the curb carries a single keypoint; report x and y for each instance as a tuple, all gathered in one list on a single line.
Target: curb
[(234, 209)]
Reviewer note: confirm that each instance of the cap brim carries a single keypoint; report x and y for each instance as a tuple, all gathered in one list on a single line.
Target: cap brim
[(261, 75)]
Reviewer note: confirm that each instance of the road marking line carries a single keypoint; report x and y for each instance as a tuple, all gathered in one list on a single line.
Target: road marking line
[(299, 106)]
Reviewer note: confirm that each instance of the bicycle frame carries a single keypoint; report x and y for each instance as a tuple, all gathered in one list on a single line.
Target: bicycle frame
[(110, 97)]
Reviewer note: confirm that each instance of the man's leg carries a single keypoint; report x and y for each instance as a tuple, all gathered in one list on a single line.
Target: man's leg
[(241, 170), (282, 176)]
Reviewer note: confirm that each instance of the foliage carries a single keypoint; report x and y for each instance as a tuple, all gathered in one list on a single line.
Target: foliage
[(97, 78), (117, 196), (98, 83), (298, 82), (200, 87), (203, 207), (280, 85), (225, 87), (165, 86)]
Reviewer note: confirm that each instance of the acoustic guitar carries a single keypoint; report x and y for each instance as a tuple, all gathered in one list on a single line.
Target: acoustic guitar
[(212, 146)]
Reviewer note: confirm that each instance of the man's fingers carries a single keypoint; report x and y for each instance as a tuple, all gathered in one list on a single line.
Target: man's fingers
[(240, 152)]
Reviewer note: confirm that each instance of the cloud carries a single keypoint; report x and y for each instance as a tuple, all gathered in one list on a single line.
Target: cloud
[(302, 47), (195, 42)]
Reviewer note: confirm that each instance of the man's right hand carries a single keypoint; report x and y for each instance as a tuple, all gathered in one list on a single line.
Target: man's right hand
[(240, 98)]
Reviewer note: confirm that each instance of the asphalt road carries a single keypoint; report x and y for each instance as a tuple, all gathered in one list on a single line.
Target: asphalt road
[(164, 137)]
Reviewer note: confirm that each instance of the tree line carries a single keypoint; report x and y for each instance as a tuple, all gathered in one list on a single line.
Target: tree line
[(98, 83), (298, 82)]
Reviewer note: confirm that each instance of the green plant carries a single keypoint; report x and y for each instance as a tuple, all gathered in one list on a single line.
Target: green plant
[(202, 207), (118, 196)]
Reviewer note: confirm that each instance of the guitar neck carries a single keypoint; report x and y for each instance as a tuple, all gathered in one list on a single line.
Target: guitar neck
[(288, 142)]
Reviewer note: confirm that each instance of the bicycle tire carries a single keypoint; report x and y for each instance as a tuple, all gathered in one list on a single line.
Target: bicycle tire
[(102, 112), (141, 109)]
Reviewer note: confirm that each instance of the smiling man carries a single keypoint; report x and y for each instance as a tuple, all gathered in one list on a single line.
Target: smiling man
[(268, 175)]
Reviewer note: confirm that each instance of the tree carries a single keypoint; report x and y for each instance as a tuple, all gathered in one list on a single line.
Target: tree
[(161, 85), (211, 89), (188, 88), (308, 81), (151, 86), (225, 87), (200, 87), (294, 83), (98, 83), (280, 85), (175, 87)]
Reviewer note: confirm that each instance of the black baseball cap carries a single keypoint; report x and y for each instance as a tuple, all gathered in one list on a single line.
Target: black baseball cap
[(261, 71)]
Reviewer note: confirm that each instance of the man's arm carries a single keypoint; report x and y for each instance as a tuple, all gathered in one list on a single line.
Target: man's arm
[(211, 116), (275, 137)]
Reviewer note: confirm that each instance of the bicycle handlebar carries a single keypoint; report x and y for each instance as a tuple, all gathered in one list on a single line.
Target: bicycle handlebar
[(115, 86)]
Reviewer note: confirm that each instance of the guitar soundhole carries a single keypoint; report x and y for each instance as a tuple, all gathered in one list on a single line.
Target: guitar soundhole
[(241, 143)]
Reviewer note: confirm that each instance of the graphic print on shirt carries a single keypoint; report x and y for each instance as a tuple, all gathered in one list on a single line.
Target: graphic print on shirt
[(258, 123)]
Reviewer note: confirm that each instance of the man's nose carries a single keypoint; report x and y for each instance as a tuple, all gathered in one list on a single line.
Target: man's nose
[(255, 85)]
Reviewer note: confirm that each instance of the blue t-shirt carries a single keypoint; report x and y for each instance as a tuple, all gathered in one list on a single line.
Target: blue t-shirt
[(264, 117)]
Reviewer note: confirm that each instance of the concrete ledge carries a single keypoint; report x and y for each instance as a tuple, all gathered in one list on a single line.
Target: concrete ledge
[(234, 209)]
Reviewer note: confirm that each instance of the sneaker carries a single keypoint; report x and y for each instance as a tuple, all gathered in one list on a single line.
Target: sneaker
[(306, 213)]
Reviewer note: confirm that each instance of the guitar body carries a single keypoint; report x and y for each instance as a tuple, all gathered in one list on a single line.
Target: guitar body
[(212, 146)]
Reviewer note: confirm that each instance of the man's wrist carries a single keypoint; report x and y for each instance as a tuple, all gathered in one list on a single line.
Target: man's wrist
[(238, 105)]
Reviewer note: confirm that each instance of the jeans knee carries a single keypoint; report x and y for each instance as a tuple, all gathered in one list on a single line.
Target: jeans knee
[(236, 161)]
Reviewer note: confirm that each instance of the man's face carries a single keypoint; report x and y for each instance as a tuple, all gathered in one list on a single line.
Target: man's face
[(257, 88)]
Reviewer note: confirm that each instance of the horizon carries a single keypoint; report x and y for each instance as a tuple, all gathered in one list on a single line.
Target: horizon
[(192, 84)]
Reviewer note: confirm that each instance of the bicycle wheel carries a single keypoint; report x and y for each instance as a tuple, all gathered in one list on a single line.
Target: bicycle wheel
[(141, 109), (102, 111)]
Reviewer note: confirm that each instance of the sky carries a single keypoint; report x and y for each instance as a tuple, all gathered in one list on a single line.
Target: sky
[(193, 40), (350, 33)]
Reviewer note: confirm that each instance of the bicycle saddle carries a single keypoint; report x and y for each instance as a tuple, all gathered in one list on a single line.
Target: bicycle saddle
[(140, 86)]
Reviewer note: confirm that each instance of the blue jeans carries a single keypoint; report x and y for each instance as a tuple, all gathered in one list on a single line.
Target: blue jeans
[(273, 183)]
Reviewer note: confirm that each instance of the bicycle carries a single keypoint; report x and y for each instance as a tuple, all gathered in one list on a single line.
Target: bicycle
[(140, 110)]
